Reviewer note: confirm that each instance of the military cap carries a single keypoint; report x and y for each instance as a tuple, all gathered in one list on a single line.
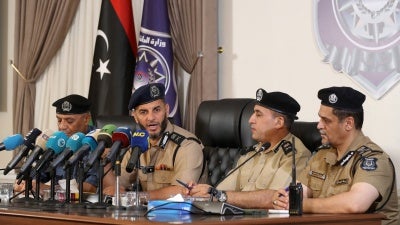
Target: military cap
[(342, 98), (279, 102), (146, 93), (72, 104)]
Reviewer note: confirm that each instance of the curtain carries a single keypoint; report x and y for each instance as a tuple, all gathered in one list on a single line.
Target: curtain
[(40, 29), (189, 27)]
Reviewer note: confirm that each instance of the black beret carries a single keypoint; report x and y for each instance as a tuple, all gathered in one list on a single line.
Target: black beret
[(279, 102), (72, 104), (146, 93), (342, 98)]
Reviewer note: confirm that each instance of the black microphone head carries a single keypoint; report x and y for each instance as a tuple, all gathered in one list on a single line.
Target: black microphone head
[(30, 137), (266, 145), (246, 150)]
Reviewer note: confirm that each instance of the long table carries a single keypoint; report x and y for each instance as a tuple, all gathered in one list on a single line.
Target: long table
[(35, 215)]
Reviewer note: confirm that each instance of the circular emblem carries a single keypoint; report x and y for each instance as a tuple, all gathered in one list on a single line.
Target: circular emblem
[(333, 98), (259, 95), (151, 67), (66, 106), (61, 142)]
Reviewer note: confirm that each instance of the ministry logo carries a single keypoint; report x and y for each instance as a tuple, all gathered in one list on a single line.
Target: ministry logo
[(361, 38)]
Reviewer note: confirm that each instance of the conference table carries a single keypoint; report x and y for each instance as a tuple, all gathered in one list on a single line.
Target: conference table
[(33, 214)]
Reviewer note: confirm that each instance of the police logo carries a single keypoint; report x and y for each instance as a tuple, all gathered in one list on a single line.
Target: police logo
[(154, 91), (369, 164), (333, 98), (259, 95), (362, 39), (66, 106)]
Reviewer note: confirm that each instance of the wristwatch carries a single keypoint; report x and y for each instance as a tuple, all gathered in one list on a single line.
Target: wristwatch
[(221, 196)]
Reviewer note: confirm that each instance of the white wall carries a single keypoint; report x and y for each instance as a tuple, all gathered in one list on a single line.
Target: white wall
[(270, 44)]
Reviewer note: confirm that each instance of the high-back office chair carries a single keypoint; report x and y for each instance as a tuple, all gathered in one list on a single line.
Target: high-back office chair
[(222, 126)]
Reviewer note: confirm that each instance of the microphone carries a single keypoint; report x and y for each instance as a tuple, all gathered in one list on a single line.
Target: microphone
[(104, 140), (72, 145), (36, 152), (29, 140), (11, 142), (55, 144), (121, 139), (140, 144), (266, 145), (89, 143)]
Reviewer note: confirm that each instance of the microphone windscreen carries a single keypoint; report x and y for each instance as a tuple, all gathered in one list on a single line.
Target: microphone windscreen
[(109, 129), (75, 141), (13, 141), (105, 135), (122, 134), (90, 141), (43, 137), (57, 142), (140, 139)]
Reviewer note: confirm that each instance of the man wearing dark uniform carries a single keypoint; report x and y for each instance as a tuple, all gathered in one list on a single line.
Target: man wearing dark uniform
[(73, 115), (350, 174), (173, 153)]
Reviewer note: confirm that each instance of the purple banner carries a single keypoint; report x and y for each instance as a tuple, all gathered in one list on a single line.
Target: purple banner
[(155, 57)]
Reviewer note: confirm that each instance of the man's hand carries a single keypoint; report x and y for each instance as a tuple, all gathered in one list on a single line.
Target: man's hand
[(199, 190)]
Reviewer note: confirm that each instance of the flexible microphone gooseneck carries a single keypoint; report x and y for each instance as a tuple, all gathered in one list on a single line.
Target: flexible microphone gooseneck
[(266, 145)]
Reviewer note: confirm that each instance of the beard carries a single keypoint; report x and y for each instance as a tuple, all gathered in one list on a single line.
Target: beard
[(157, 135)]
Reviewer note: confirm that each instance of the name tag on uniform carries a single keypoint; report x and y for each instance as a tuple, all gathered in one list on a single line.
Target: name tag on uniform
[(342, 181), (317, 175)]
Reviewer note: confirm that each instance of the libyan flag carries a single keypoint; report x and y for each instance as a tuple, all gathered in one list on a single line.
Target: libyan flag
[(114, 59)]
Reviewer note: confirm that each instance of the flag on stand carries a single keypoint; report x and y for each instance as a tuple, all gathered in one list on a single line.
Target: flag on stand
[(114, 59), (155, 57)]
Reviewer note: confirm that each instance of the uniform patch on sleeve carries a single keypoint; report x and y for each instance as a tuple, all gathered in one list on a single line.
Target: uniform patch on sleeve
[(369, 164)]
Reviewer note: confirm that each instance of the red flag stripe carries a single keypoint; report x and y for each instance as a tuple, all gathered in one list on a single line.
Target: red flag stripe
[(123, 9)]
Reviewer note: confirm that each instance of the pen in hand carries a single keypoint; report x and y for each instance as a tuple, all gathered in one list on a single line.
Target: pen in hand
[(184, 184)]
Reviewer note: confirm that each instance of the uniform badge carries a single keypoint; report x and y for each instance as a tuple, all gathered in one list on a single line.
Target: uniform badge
[(369, 164), (66, 106), (154, 92), (259, 95)]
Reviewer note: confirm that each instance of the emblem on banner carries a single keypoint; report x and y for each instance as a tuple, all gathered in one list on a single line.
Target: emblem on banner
[(361, 38)]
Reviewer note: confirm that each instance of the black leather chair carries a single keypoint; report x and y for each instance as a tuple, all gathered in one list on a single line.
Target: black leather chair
[(222, 126)]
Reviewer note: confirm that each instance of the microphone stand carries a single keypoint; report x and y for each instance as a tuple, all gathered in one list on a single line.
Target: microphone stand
[(37, 190), (262, 148), (28, 188), (138, 207), (117, 172), (68, 185), (52, 202), (100, 174), (80, 177)]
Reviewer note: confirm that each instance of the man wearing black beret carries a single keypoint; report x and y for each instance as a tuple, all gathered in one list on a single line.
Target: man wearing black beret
[(174, 153), (73, 115), (267, 168), (351, 174)]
